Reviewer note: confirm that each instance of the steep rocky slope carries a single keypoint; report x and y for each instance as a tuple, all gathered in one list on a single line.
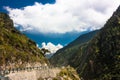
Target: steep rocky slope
[(99, 59), (15, 48), (103, 52)]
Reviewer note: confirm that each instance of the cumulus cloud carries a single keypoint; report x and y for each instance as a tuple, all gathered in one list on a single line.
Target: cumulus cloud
[(51, 47), (63, 16)]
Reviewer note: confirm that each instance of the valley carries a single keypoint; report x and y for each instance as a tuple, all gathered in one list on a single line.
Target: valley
[(92, 56), (97, 57)]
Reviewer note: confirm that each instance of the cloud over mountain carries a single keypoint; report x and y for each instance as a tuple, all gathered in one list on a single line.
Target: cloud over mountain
[(64, 15), (51, 47)]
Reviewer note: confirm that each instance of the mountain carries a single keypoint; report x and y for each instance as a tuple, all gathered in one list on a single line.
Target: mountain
[(16, 48), (99, 59), (62, 56), (19, 52), (102, 56)]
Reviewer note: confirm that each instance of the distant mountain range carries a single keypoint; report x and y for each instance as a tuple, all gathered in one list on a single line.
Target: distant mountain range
[(95, 55), (63, 55)]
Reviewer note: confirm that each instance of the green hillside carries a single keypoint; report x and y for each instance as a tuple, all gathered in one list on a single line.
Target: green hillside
[(103, 53), (62, 56), (16, 47), (99, 58)]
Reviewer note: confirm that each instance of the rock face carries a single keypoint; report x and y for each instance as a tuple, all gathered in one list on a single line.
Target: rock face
[(99, 59), (67, 73), (16, 50), (34, 74)]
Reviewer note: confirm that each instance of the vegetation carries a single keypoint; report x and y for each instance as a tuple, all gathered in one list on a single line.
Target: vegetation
[(16, 47), (68, 73), (99, 58), (62, 56), (44, 51), (103, 60)]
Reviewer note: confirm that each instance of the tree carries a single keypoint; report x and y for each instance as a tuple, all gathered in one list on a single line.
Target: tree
[(44, 51)]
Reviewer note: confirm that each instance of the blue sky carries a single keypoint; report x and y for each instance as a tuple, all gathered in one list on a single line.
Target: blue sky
[(21, 3), (60, 21)]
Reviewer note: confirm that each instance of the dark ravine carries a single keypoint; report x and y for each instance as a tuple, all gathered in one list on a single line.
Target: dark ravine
[(99, 58)]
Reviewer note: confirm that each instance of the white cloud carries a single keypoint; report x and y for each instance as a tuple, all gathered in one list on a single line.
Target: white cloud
[(51, 47), (64, 16)]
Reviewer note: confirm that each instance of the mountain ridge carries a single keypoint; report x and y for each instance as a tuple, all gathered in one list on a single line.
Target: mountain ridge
[(71, 47), (15, 47), (99, 59)]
